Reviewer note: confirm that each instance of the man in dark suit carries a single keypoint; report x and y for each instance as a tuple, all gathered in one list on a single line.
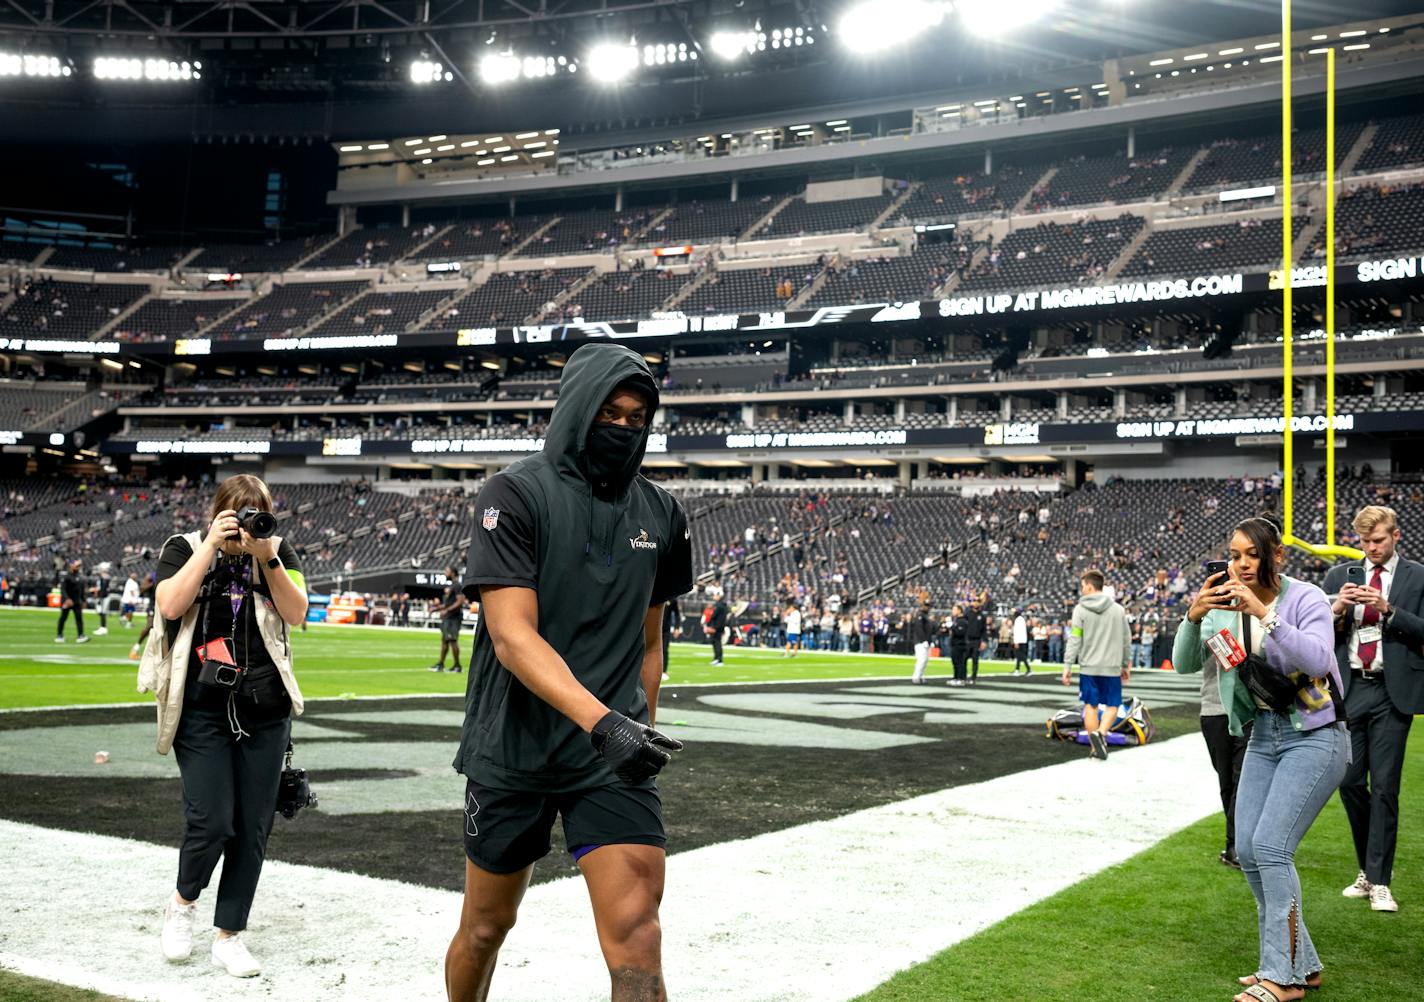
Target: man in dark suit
[(1379, 645)]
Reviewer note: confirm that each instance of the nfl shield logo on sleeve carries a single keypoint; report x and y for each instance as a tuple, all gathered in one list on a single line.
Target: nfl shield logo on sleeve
[(491, 519)]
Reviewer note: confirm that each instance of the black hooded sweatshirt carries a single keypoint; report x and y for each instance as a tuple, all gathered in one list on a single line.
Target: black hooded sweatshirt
[(599, 555)]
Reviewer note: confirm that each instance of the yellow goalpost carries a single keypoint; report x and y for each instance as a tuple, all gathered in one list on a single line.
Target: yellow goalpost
[(1329, 548)]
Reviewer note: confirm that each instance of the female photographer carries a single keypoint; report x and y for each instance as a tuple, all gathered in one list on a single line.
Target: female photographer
[(222, 671), (1273, 639)]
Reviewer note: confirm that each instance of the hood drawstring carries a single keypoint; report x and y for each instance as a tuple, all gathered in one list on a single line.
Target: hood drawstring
[(588, 544)]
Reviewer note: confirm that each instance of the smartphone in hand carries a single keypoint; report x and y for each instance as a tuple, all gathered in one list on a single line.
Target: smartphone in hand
[(1355, 575), (1215, 569)]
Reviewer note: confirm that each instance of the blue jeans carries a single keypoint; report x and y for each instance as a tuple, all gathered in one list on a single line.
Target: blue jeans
[(1286, 779), (1139, 655)]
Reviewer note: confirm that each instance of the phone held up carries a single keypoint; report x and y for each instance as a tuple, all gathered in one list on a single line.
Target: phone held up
[(1215, 569), (1355, 575)]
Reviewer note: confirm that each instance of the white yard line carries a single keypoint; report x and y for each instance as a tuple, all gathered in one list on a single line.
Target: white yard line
[(817, 913)]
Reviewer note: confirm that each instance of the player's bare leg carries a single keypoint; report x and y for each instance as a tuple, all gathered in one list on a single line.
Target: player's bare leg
[(491, 904), (625, 883)]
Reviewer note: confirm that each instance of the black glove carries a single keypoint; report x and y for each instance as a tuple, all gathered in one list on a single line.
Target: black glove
[(634, 751)]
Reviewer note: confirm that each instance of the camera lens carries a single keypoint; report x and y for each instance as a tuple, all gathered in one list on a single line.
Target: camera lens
[(260, 524)]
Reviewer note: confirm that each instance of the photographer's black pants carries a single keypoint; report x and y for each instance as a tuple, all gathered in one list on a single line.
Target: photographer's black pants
[(229, 796), (717, 645), (1227, 753)]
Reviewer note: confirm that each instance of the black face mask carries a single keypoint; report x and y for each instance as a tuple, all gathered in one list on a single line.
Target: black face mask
[(610, 448)]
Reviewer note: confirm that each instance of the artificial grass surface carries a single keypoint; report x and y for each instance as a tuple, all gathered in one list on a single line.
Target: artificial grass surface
[(18, 988), (359, 661), (1173, 923)]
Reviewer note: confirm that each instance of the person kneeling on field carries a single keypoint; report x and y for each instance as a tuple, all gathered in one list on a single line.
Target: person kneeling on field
[(221, 667), (1100, 642)]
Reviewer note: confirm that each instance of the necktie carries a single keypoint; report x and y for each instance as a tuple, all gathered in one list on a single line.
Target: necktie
[(1370, 618)]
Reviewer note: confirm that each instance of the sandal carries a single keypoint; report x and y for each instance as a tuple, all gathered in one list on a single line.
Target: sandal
[(1310, 985), (1260, 993)]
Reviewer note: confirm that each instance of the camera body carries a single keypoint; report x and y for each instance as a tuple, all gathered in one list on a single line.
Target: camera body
[(219, 674), (256, 523), (294, 792)]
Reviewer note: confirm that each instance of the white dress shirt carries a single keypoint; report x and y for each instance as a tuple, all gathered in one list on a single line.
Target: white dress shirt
[(1386, 577)]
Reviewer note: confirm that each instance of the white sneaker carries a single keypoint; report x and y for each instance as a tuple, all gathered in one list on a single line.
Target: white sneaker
[(101, 631), (1381, 900), (716, 663), (177, 934), (83, 640), (1360, 888), (230, 953), (59, 640)]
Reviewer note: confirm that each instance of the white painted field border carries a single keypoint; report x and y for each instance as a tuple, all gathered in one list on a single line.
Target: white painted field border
[(817, 913)]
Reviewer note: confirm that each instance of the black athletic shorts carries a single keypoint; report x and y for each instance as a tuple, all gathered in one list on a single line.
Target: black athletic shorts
[(450, 628), (507, 830)]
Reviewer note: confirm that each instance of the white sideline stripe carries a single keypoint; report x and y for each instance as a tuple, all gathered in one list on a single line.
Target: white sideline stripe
[(1172, 679), (818, 913)]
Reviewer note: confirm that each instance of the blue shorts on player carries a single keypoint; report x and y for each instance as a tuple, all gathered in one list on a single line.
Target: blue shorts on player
[(792, 639), (1100, 690)]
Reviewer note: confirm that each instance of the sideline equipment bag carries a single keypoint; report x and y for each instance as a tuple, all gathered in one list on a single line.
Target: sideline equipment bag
[(1133, 725)]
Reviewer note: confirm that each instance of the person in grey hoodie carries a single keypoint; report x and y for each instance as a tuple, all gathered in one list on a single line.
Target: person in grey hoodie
[(1100, 641)]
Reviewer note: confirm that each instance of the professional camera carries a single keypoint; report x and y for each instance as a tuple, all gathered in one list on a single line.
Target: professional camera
[(258, 523), (293, 791), (217, 666)]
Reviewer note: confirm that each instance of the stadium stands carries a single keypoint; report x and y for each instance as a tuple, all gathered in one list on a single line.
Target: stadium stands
[(139, 258), (967, 193), (1377, 220), (1090, 180), (728, 291), (288, 308), (276, 255), (800, 216), (624, 295), (1398, 142), (382, 312), (508, 297), (588, 230), (162, 319), (367, 248), (481, 237), (917, 275), (699, 222), (45, 308), (1238, 162), (1201, 249), (1055, 254)]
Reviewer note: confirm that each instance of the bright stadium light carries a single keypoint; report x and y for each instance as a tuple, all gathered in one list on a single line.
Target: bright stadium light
[(874, 25), (12, 64), (730, 45), (133, 68), (499, 67), (611, 62), (423, 71), (994, 17)]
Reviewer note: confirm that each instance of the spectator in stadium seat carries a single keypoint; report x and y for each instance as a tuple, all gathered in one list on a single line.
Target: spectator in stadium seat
[(1378, 635), (229, 739), (1100, 644), (1295, 758), (569, 644)]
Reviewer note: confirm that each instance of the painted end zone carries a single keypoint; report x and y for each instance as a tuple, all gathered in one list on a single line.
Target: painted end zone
[(822, 911)]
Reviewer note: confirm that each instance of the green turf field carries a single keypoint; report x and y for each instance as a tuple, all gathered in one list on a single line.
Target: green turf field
[(1173, 923), (357, 661)]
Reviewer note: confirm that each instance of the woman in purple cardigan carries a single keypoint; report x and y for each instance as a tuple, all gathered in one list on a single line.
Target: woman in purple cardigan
[(1295, 758)]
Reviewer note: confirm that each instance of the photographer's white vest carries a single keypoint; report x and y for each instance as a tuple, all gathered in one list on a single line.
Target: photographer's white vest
[(164, 667)]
